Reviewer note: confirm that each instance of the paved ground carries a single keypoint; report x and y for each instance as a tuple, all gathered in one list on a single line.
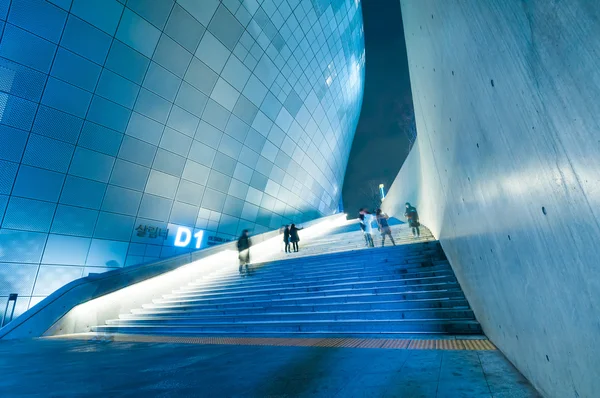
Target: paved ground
[(70, 368)]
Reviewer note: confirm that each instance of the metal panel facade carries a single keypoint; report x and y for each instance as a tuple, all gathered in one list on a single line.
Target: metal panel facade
[(122, 123)]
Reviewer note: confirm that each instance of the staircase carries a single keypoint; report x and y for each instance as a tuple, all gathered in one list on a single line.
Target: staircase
[(333, 287)]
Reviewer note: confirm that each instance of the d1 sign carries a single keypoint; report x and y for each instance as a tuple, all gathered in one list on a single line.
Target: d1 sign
[(184, 237)]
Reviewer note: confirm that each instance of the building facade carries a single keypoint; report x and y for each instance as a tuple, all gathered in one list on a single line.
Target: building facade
[(131, 132)]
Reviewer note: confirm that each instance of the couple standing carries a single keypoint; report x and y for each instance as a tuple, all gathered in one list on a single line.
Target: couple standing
[(290, 235)]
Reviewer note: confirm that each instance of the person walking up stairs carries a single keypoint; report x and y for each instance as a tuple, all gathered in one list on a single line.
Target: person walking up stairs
[(384, 227), (243, 246)]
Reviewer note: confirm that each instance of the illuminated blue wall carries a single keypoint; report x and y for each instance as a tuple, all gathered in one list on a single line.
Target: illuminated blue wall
[(122, 123)]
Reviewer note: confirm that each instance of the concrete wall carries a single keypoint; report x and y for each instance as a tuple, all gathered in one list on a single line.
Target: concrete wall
[(123, 121), (506, 172)]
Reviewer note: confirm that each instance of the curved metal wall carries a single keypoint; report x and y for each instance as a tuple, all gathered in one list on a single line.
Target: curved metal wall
[(137, 131)]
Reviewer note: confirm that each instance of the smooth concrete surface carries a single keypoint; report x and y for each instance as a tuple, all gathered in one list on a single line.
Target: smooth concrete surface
[(109, 294), (67, 368), (506, 170)]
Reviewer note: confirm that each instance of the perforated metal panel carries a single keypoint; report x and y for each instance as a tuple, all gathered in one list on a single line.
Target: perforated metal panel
[(219, 115)]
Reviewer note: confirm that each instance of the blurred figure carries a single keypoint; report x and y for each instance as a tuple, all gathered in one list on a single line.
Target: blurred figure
[(412, 217), (384, 227), (361, 222), (365, 225), (294, 238), (243, 245), (286, 238), (369, 218)]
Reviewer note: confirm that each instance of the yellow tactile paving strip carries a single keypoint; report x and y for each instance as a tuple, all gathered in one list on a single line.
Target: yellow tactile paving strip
[(402, 344)]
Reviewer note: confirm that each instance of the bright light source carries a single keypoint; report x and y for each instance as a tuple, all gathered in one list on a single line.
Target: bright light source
[(207, 269), (198, 235), (96, 311), (185, 241), (184, 237)]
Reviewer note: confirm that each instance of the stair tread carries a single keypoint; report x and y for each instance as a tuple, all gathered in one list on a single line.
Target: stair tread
[(326, 289), (316, 321), (308, 298), (373, 303), (335, 312)]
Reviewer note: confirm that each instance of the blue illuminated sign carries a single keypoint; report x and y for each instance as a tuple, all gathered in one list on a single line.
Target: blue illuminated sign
[(178, 236), (184, 237)]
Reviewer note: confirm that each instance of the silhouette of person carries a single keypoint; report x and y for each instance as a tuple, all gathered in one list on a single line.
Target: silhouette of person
[(243, 246), (286, 238), (384, 227), (365, 224), (294, 238), (412, 217)]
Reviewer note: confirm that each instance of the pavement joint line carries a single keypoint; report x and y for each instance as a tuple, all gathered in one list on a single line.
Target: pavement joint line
[(327, 342)]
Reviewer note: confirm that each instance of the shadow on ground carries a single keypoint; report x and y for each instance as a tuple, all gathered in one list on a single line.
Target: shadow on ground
[(68, 368)]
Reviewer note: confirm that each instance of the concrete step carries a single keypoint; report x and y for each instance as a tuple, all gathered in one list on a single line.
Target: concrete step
[(326, 251), (454, 326), (229, 276), (356, 256), (242, 316), (254, 281), (331, 246), (316, 286), (296, 267), (325, 290), (332, 291), (339, 298), (234, 308), (399, 234), (312, 252)]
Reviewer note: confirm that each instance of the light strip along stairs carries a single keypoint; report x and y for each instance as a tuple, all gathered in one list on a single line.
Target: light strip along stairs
[(333, 287)]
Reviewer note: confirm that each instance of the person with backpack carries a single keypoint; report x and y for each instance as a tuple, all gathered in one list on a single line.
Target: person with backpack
[(384, 227), (243, 246), (412, 217)]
